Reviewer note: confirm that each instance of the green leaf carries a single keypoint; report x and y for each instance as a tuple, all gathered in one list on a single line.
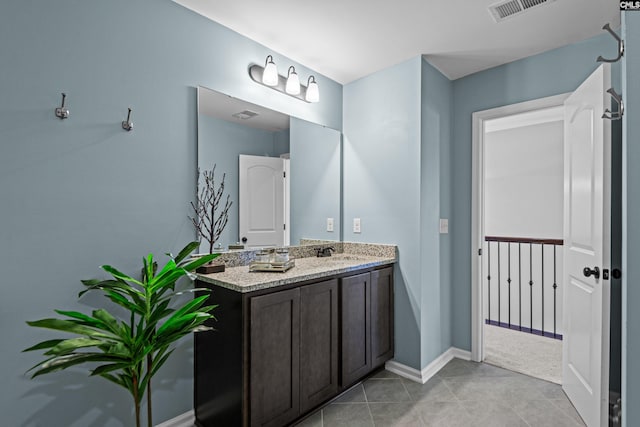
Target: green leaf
[(124, 302), (73, 344), (107, 319), (70, 327), (42, 345), (63, 362), (188, 307), (115, 380), (119, 275), (168, 267), (200, 261), (119, 286), (103, 369), (186, 251)]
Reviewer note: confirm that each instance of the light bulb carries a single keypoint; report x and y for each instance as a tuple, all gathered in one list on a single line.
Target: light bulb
[(270, 73), (293, 82), (313, 94)]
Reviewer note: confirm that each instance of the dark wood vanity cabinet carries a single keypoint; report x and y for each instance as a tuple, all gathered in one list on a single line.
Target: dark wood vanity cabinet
[(275, 358), (319, 342), (367, 323), (277, 355), (381, 316), (293, 352)]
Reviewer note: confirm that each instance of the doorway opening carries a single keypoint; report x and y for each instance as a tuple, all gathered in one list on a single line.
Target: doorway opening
[(518, 218), (522, 239)]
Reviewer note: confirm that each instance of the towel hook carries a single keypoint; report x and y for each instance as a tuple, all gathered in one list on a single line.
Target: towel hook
[(618, 114), (620, 45), (61, 112), (128, 124)]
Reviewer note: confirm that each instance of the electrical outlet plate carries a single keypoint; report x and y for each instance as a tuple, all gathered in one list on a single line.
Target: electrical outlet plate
[(356, 225), (444, 226), (329, 224)]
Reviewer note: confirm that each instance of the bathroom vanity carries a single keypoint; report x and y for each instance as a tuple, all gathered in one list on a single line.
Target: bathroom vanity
[(286, 343)]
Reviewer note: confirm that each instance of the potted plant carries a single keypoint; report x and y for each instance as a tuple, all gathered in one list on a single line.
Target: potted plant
[(130, 351), (210, 218)]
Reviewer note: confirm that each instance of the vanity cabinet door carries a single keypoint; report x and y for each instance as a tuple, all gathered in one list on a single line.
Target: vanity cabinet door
[(381, 316), (274, 358), (318, 343), (356, 326)]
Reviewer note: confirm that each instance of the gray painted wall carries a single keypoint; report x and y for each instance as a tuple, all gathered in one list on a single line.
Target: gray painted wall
[(382, 183), (397, 180), (630, 224), (83, 192), (435, 203)]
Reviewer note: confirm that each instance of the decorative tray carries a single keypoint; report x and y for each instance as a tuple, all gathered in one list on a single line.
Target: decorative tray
[(279, 267)]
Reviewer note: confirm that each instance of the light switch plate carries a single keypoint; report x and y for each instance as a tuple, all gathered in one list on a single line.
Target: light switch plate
[(329, 224), (356, 225), (444, 226)]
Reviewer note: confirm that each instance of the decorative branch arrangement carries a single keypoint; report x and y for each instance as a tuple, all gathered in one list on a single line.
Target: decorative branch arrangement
[(206, 207)]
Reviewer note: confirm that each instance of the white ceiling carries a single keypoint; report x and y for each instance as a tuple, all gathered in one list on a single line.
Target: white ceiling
[(348, 39)]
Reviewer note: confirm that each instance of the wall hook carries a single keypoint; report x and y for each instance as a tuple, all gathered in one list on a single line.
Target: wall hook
[(61, 112), (128, 124), (620, 45), (618, 114)]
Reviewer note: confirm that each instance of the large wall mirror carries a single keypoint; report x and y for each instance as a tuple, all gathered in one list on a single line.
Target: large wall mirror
[(283, 174)]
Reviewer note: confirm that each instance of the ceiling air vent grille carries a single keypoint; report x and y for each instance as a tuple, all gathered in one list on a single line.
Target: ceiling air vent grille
[(244, 115), (503, 10)]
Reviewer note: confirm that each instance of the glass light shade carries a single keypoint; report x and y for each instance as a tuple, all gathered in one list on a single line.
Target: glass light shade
[(293, 82), (313, 94), (270, 73)]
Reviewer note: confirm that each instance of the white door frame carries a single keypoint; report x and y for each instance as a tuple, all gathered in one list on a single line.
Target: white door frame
[(477, 204)]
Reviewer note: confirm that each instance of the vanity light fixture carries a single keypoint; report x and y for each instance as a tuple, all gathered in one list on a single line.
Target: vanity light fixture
[(290, 85), (293, 82), (313, 94), (270, 73)]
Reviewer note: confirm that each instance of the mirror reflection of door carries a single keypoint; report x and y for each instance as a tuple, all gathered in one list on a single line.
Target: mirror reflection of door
[(262, 201)]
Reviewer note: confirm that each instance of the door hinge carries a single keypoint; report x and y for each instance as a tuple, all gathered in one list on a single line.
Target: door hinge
[(605, 274), (284, 174), (480, 251), (284, 226)]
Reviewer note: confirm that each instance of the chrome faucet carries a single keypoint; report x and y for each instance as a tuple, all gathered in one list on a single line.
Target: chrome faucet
[(325, 252)]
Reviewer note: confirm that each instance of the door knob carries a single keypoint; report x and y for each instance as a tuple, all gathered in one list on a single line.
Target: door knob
[(588, 272), (244, 240)]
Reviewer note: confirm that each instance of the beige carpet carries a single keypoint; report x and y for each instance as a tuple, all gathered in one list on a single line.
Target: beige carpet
[(529, 354)]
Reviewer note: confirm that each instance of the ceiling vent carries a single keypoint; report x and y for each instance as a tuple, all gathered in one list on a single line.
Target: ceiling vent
[(507, 9), (244, 115)]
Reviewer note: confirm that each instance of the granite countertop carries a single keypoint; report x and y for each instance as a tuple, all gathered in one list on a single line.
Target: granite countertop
[(241, 280)]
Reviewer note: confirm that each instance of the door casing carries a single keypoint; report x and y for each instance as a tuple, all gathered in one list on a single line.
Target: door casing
[(477, 205)]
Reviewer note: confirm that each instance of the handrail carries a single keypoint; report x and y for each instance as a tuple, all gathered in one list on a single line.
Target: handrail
[(524, 240)]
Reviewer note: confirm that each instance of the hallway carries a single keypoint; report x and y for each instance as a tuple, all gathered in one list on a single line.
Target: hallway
[(529, 354)]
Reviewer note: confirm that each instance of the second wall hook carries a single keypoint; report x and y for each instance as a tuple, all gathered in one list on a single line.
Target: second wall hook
[(61, 112), (620, 45), (614, 115), (128, 124)]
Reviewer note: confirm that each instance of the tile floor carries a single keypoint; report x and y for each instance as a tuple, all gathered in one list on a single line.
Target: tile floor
[(461, 394)]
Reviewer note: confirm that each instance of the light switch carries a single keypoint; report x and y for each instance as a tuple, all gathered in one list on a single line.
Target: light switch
[(356, 225), (329, 224), (444, 226)]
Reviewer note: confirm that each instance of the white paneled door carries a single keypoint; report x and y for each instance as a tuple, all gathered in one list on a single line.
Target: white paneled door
[(587, 147), (261, 201)]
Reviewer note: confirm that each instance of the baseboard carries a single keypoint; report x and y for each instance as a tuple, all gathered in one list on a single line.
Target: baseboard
[(184, 420), (431, 369)]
